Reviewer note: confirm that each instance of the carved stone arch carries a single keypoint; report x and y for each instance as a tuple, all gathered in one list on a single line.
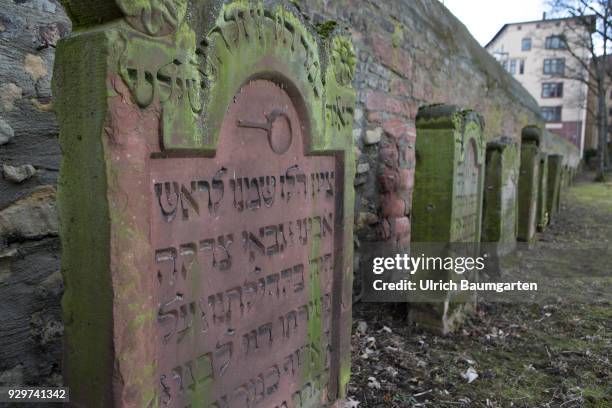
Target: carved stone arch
[(248, 41), (472, 129)]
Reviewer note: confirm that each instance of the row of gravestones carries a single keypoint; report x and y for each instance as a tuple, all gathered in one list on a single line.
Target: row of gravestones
[(466, 192), (206, 202)]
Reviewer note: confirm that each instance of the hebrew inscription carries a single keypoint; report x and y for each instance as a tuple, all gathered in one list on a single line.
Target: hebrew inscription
[(468, 194), (243, 261)]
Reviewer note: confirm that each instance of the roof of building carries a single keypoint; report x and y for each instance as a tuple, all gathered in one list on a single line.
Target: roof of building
[(534, 21)]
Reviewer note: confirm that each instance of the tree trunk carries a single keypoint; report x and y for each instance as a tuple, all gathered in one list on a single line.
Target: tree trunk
[(602, 129)]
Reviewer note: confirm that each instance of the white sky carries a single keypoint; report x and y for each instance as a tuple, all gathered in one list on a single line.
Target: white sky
[(485, 17)]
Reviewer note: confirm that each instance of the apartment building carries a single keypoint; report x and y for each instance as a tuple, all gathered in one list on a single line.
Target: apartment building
[(536, 54)]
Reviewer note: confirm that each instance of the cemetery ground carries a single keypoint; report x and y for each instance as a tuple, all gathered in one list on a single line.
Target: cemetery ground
[(554, 353)]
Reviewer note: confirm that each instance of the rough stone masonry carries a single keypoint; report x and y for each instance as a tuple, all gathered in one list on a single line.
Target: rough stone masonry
[(30, 279)]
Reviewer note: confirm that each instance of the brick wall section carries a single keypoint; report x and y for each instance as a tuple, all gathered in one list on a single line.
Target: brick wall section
[(411, 52)]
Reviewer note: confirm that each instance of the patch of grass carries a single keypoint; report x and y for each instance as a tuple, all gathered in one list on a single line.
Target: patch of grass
[(594, 194), (593, 394)]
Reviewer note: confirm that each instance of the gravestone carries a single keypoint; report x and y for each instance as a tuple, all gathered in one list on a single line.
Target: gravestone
[(447, 197), (499, 217), (529, 180), (565, 176), (206, 201), (555, 161), (542, 209)]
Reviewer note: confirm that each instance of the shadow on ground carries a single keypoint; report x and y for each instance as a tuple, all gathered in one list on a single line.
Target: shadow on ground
[(551, 353)]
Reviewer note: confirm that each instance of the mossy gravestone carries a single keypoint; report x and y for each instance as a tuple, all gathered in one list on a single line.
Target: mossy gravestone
[(555, 163), (499, 218), (565, 176), (542, 209), (206, 205), (529, 181), (447, 197)]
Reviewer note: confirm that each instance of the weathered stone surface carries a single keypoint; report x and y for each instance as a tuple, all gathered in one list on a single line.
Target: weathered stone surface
[(19, 173), (377, 101), (529, 181), (364, 219), (542, 208), (47, 6), (398, 128), (207, 230), (363, 168), (44, 329), (392, 56), (12, 376), (9, 94), (447, 199), (31, 217), (6, 132), (449, 188), (35, 66), (555, 162), (30, 354), (373, 136), (499, 220), (552, 144)]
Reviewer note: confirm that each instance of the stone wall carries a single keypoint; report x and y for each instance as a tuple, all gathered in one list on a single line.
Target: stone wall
[(30, 281), (410, 53)]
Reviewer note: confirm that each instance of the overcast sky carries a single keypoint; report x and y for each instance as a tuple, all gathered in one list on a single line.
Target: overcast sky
[(485, 17)]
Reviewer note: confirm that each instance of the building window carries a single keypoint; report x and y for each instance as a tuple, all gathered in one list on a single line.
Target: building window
[(554, 66), (551, 113), (526, 44), (512, 67), (552, 90), (555, 42)]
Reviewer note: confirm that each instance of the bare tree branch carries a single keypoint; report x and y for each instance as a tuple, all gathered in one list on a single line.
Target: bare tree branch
[(588, 36)]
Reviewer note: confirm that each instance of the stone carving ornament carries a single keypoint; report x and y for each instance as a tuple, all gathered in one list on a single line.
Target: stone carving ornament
[(154, 17), (343, 59)]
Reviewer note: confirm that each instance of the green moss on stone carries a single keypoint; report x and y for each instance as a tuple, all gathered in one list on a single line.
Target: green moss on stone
[(80, 91), (326, 28)]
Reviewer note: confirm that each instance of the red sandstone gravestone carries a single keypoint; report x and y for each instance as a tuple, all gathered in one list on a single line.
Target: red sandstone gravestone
[(244, 246), (206, 204)]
